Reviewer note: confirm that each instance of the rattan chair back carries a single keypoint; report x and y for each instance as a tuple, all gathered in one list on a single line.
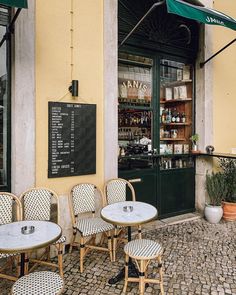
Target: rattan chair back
[(8, 202), (115, 190)]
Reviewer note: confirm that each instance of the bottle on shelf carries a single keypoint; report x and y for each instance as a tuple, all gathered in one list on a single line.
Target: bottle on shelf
[(177, 118), (183, 118), (174, 114), (163, 116), (168, 116), (122, 152)]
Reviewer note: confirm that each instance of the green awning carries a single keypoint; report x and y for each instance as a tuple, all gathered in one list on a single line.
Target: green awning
[(15, 3), (202, 14)]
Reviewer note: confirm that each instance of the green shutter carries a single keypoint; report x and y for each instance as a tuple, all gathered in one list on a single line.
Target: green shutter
[(202, 14)]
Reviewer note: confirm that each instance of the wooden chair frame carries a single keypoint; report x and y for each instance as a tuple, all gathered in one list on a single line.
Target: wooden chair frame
[(44, 258), (142, 265), (10, 259), (87, 243), (120, 231)]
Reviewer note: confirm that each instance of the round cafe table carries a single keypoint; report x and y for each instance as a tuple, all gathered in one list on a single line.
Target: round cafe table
[(12, 240), (120, 214)]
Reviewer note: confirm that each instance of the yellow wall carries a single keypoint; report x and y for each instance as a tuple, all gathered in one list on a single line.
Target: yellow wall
[(224, 73), (53, 74)]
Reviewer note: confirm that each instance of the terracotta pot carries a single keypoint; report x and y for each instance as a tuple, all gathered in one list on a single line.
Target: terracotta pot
[(229, 211)]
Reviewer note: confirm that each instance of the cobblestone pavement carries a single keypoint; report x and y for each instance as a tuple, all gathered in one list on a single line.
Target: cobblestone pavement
[(199, 258)]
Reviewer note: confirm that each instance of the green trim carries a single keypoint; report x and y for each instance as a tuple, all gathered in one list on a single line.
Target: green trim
[(15, 3), (202, 14), (7, 184)]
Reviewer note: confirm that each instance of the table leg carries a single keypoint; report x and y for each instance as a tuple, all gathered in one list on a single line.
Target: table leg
[(129, 233), (22, 264), (133, 272)]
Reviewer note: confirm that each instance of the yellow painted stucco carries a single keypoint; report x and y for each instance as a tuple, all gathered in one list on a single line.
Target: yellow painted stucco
[(224, 83), (53, 75)]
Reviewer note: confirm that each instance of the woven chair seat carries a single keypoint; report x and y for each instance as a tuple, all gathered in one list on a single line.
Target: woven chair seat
[(60, 241), (39, 283), (91, 226), (143, 249), (6, 255)]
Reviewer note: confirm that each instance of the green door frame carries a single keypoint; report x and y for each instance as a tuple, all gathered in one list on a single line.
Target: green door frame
[(7, 187), (155, 106)]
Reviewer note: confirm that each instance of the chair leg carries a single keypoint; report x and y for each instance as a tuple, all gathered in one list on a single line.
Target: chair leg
[(60, 259), (82, 252), (18, 266), (26, 264), (48, 253), (139, 232), (160, 274), (126, 272), (114, 244), (109, 245), (72, 240), (142, 277)]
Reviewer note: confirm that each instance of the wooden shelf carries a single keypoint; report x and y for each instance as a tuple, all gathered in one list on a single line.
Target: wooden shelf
[(175, 100), (135, 126), (174, 83), (172, 139), (177, 124)]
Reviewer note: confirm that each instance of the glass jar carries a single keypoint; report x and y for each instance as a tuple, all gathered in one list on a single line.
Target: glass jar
[(174, 133)]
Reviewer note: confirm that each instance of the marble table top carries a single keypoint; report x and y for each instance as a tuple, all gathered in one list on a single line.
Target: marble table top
[(116, 214), (12, 240)]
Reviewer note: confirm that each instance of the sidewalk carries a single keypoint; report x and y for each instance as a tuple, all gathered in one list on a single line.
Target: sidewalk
[(199, 258)]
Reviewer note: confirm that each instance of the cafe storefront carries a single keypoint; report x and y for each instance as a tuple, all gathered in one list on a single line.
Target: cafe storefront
[(141, 135), (158, 79)]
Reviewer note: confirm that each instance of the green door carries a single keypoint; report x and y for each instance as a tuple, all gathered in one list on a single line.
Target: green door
[(144, 182), (177, 191), (155, 121)]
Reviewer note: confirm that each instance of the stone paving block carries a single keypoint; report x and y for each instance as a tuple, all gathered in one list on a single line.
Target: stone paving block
[(198, 258)]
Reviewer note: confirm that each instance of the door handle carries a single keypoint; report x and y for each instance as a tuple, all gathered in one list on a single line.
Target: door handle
[(135, 180)]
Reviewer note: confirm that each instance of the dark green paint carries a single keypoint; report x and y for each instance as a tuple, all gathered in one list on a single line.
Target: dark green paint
[(202, 14), (15, 3), (146, 189), (177, 191)]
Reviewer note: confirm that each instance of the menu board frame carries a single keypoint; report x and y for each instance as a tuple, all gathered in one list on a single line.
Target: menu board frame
[(71, 139)]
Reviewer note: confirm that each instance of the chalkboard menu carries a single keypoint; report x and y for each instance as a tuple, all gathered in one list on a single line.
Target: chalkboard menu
[(72, 139)]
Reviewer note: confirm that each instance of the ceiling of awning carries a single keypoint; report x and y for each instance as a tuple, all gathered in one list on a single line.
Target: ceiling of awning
[(202, 14), (15, 3)]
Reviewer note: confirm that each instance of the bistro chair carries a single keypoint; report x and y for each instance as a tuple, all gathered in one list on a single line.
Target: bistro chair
[(10, 210), (39, 283), (117, 190), (37, 205), (85, 220), (142, 251)]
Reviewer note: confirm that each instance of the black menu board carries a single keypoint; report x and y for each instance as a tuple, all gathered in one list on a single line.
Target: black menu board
[(72, 139)]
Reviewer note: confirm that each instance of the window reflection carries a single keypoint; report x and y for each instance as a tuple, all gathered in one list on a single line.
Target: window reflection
[(3, 100)]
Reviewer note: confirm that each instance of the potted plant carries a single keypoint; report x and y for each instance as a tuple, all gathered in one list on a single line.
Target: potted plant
[(216, 189), (194, 138), (228, 167)]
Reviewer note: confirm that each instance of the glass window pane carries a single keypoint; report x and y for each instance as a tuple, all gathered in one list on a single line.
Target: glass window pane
[(134, 80), (3, 110), (176, 113)]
